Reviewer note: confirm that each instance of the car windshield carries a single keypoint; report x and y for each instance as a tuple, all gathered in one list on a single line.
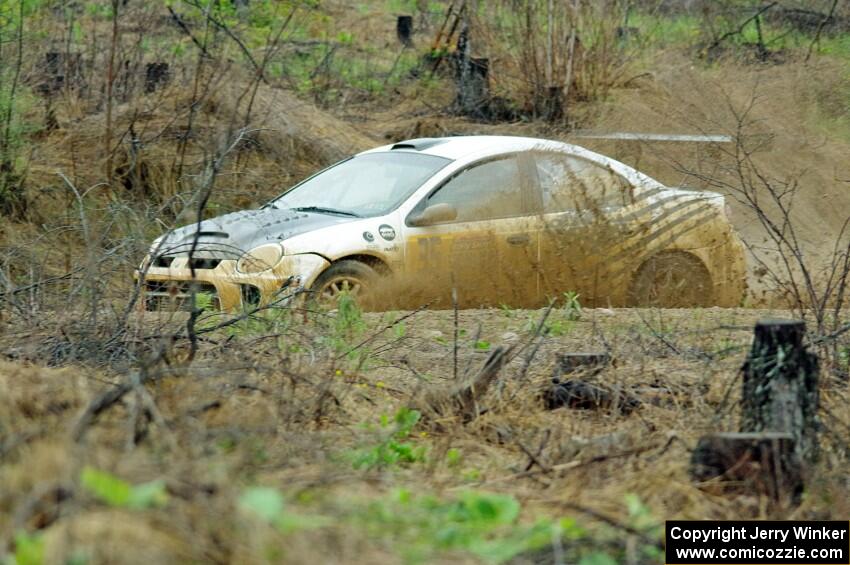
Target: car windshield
[(368, 185)]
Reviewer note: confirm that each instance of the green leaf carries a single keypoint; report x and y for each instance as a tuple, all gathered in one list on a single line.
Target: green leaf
[(106, 487), (148, 495), (29, 549), (118, 493), (597, 558), (489, 507), (570, 529), (482, 345), (265, 502), (406, 419)]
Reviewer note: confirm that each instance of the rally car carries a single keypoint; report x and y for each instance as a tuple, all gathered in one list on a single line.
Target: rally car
[(474, 221)]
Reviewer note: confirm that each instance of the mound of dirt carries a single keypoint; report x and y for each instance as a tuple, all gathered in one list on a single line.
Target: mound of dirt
[(797, 118), (162, 140), (288, 124)]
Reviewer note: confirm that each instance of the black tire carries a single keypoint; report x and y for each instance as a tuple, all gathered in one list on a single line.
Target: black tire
[(672, 279), (352, 276)]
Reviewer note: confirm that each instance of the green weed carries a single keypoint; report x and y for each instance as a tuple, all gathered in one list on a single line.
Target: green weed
[(29, 549), (116, 492), (483, 524), (572, 306), (393, 449), (551, 327), (268, 505)]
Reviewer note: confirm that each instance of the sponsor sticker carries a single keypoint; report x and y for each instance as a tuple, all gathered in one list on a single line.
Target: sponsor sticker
[(387, 232), (367, 235)]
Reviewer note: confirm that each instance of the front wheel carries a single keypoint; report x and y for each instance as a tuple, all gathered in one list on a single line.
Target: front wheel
[(352, 277), (672, 279)]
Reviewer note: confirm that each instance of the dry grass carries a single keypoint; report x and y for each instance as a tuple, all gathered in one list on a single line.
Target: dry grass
[(291, 411), (255, 411)]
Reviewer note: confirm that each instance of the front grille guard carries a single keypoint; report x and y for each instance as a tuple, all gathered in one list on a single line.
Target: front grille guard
[(165, 261), (178, 295)]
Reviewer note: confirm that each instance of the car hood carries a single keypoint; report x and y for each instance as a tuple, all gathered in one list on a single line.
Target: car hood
[(229, 236)]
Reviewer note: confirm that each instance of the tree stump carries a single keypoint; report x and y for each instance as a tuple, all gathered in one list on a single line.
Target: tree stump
[(591, 362), (553, 105), (156, 74), (472, 79), (780, 386), (582, 395), (60, 70), (750, 462), (779, 425), (404, 30)]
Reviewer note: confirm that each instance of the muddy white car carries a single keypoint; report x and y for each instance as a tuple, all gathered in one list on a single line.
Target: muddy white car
[(501, 220)]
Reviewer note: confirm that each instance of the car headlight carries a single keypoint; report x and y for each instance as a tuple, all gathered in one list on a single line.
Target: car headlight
[(155, 245), (260, 259)]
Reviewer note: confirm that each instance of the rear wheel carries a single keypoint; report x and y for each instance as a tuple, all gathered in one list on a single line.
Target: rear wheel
[(672, 279), (352, 277)]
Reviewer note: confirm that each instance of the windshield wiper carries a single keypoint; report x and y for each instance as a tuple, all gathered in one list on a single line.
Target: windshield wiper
[(323, 210)]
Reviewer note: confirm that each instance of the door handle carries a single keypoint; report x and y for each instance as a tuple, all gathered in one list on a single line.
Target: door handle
[(519, 239)]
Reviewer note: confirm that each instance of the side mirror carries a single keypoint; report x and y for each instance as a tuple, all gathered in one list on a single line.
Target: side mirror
[(434, 214)]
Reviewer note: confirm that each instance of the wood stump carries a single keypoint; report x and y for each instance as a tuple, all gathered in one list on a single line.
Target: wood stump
[(404, 30), (472, 79), (780, 386), (156, 75), (761, 463), (553, 104), (60, 70), (591, 362), (583, 395), (779, 424)]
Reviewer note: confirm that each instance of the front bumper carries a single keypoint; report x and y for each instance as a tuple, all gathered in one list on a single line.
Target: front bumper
[(170, 288)]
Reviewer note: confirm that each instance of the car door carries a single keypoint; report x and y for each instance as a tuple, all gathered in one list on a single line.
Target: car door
[(586, 217), (487, 246)]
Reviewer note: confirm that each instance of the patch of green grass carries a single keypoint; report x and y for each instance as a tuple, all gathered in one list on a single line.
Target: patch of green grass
[(553, 326), (268, 505), (116, 492), (837, 45), (483, 524), (661, 31), (572, 306), (420, 528), (394, 448), (29, 549)]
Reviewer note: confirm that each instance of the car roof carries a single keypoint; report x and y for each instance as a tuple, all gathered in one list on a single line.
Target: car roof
[(463, 146), (477, 147)]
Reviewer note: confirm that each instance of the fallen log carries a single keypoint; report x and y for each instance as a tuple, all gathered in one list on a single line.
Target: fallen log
[(463, 401), (582, 395)]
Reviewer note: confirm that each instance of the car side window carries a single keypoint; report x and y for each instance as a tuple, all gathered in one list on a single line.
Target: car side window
[(485, 191), (573, 184)]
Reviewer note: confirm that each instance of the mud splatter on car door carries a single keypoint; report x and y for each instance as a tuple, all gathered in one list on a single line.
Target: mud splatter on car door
[(483, 243), (584, 217)]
